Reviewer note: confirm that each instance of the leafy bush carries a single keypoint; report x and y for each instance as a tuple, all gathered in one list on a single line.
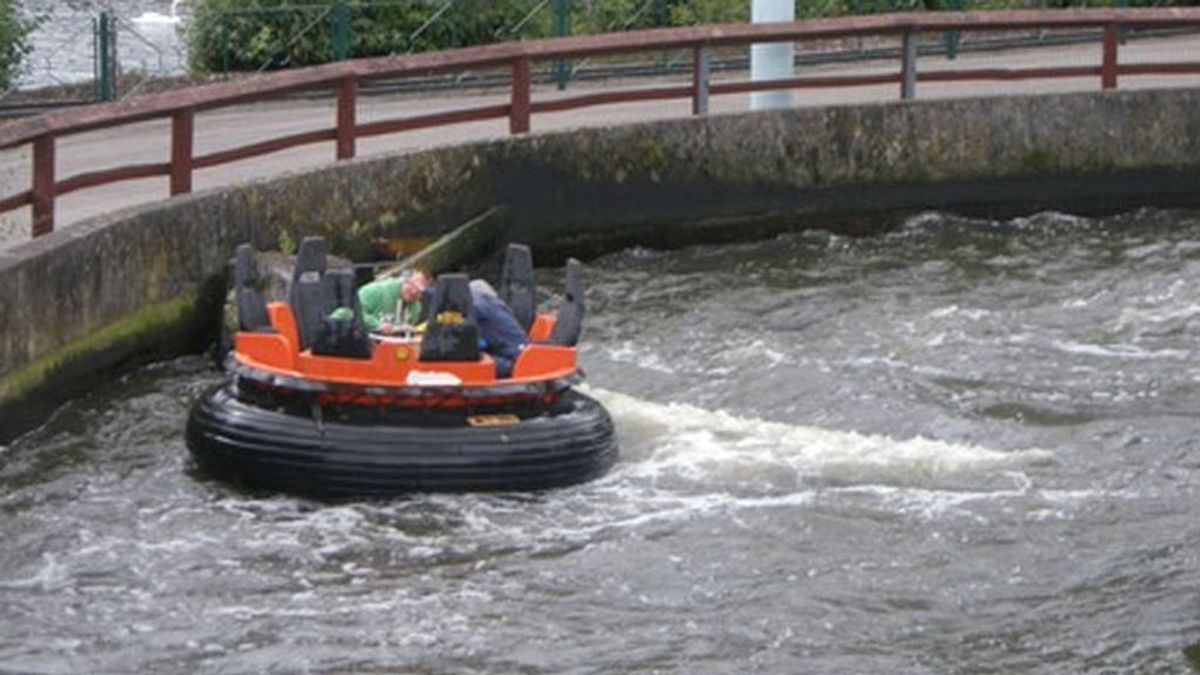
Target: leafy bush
[(254, 34), (701, 12), (258, 34), (14, 41)]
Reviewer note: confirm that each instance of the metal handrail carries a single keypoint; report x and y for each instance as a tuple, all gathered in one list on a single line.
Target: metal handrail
[(345, 76)]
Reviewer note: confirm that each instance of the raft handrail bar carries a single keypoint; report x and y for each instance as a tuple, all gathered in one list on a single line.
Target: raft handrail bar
[(181, 106)]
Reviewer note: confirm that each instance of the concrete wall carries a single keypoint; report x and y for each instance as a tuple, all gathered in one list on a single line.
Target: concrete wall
[(146, 281)]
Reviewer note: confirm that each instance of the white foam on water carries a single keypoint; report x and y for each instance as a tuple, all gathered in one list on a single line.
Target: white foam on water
[(51, 576), (1136, 318), (952, 310), (629, 352), (1120, 351), (1037, 505), (676, 440), (754, 352), (1039, 221)]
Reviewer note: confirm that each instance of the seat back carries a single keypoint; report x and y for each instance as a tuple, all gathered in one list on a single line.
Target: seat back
[(251, 309), (340, 292), (342, 336), (568, 324), (307, 295), (451, 333), (517, 287)]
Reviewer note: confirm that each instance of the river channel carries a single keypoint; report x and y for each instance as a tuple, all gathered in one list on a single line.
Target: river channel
[(966, 446)]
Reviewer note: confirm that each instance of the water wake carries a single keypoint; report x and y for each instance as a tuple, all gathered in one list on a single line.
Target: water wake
[(679, 442)]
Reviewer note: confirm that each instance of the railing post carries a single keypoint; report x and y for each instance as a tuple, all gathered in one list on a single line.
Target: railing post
[(518, 117), (347, 101), (1108, 67), (183, 124), (701, 68), (43, 185), (908, 65)]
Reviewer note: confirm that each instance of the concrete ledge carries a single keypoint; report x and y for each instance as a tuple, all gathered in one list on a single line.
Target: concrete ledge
[(102, 292)]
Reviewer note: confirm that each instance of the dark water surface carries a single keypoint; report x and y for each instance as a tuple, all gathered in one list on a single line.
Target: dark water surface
[(964, 447)]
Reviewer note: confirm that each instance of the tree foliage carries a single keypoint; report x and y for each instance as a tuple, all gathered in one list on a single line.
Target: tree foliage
[(14, 41), (258, 34), (261, 34), (254, 34)]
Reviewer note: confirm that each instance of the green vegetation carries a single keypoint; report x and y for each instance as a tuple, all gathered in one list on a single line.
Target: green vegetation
[(229, 35), (261, 34), (256, 34), (14, 45)]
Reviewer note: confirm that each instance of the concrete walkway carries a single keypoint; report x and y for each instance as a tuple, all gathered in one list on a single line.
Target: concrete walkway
[(233, 127)]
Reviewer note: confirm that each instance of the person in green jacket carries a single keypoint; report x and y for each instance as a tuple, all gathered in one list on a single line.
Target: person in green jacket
[(382, 309)]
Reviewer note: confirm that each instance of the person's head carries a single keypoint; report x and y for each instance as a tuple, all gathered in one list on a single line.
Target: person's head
[(414, 285)]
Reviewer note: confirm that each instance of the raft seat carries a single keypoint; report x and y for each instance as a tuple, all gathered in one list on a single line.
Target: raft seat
[(251, 309), (451, 333), (568, 322), (342, 337), (307, 295), (517, 287)]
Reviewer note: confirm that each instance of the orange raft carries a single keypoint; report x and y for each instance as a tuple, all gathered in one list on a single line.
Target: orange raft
[(327, 410)]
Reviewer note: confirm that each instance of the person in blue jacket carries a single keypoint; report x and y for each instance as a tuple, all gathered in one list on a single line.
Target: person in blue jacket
[(499, 333)]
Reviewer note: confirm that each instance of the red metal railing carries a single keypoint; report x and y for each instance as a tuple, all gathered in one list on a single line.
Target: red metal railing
[(181, 107)]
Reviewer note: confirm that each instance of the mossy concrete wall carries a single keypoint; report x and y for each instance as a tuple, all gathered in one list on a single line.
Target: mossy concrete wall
[(148, 280)]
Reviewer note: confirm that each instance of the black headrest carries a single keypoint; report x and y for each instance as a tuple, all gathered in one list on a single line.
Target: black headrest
[(339, 287), (517, 287), (245, 267), (251, 310), (568, 324), (451, 293), (312, 256), (308, 294)]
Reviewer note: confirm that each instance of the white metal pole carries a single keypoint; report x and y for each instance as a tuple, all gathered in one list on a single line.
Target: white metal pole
[(772, 61)]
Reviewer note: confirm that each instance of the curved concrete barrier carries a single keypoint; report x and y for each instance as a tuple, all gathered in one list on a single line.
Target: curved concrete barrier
[(149, 280)]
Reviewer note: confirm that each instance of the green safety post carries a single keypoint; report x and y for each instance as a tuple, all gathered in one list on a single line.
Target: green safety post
[(1123, 32), (662, 13), (952, 38), (341, 31), (105, 85), (96, 59), (224, 33), (562, 28)]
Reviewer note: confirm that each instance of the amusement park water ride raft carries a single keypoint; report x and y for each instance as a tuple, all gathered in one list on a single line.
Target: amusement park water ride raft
[(322, 408)]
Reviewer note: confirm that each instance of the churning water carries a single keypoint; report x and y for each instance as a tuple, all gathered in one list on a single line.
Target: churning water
[(963, 447)]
